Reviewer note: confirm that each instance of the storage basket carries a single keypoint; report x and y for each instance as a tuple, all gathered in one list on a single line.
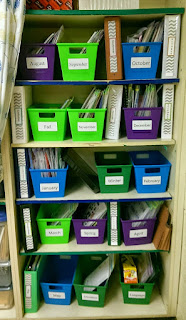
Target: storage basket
[(89, 231), (76, 65), (114, 170), (48, 122), (5, 274), (58, 279), (89, 296), (4, 245), (49, 187), (51, 230), (86, 129), (34, 66), (136, 232), (6, 297), (139, 293), (141, 65), (151, 170), (142, 123)]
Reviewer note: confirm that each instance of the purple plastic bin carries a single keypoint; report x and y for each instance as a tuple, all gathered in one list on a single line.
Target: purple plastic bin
[(139, 126), (37, 66), (136, 232), (89, 234)]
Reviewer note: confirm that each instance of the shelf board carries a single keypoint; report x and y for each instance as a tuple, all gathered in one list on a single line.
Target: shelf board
[(122, 142), (107, 12), (8, 314), (93, 82), (72, 248), (114, 307), (80, 192)]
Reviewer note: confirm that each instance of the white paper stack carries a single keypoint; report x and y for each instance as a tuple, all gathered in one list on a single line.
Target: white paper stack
[(108, 4)]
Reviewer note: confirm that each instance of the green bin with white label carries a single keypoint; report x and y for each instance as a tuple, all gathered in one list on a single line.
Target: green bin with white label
[(139, 293), (52, 230), (114, 171)]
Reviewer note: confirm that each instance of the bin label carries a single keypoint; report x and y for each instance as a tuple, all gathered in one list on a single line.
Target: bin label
[(28, 229), (37, 63), (141, 125), (28, 291), (114, 181), (78, 64), (140, 63), (87, 126), (154, 180), (136, 294), (47, 126), (18, 116), (171, 46), (22, 173), (89, 233), (140, 233), (168, 111), (113, 47), (90, 297), (56, 295), (49, 187), (54, 232)]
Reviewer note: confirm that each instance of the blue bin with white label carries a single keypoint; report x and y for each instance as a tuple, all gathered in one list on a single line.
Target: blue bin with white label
[(151, 170), (49, 183), (141, 59), (58, 278)]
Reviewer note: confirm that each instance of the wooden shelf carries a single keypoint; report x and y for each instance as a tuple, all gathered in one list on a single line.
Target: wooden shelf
[(8, 314), (122, 142), (114, 307), (80, 192), (73, 248), (93, 82)]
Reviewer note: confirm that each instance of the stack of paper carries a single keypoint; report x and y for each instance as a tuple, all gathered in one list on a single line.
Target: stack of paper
[(143, 210)]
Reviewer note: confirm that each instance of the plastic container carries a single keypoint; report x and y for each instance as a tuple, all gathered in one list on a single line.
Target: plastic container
[(86, 129), (142, 127), (58, 279), (48, 122), (49, 187), (37, 66), (139, 293), (89, 296), (86, 234), (151, 170), (76, 65), (141, 65), (114, 170), (6, 297), (136, 232), (5, 274), (52, 231), (4, 245)]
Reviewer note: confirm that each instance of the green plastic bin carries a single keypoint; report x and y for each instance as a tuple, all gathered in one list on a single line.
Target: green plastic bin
[(114, 171), (48, 122), (76, 65), (139, 293), (85, 295), (86, 129), (52, 231)]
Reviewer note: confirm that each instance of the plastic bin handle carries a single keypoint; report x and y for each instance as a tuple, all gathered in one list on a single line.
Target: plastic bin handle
[(87, 289), (92, 115), (46, 114), (55, 287), (54, 223), (114, 170), (137, 286), (137, 224), (152, 170)]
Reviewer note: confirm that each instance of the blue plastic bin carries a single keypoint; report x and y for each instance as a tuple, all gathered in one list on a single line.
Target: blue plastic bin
[(151, 170), (49, 187), (58, 278), (141, 65)]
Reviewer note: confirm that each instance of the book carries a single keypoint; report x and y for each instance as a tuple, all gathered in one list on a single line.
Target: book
[(21, 100), (113, 51), (113, 224), (171, 44), (24, 187), (30, 233), (32, 276), (167, 112)]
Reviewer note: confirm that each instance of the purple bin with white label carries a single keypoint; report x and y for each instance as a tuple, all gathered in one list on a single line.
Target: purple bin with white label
[(36, 61), (137, 232), (142, 123), (89, 231)]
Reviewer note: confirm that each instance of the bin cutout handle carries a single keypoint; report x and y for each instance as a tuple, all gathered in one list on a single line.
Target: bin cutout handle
[(137, 224), (54, 223), (91, 223), (108, 156), (114, 170), (144, 48), (55, 287), (142, 113), (142, 156), (152, 170), (89, 115), (47, 115), (137, 286), (77, 50)]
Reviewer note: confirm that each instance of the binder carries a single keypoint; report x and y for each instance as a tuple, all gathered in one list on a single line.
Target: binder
[(24, 187), (32, 290), (30, 233), (171, 43), (113, 224), (21, 100), (113, 118), (167, 112), (113, 51)]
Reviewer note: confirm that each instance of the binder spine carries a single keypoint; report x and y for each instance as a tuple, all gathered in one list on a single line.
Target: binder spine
[(114, 224), (21, 156), (28, 229), (112, 45), (28, 291), (18, 132), (167, 114)]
